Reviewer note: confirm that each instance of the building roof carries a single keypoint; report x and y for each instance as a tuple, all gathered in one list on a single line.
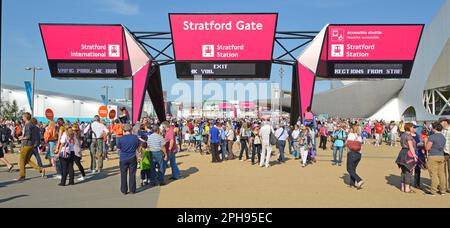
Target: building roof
[(57, 94)]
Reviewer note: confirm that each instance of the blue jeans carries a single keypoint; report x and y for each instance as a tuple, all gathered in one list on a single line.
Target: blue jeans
[(173, 166), (281, 147), (223, 148), (291, 146), (105, 149), (50, 153), (341, 150), (157, 177), (38, 157)]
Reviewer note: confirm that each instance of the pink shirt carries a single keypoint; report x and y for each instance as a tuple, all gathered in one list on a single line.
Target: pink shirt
[(170, 135)]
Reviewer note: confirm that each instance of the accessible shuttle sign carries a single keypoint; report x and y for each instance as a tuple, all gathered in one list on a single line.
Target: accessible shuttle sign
[(223, 45), (86, 51), (369, 51)]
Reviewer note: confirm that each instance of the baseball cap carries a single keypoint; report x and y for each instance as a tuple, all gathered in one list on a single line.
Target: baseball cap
[(444, 119)]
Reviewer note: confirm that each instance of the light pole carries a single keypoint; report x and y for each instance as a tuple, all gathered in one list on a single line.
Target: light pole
[(281, 89), (107, 93), (33, 83)]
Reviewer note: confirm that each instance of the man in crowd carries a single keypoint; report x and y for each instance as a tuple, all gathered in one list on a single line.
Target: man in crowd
[(157, 146), (265, 132), (282, 135), (446, 132), (28, 140), (96, 131), (214, 139), (128, 145), (171, 148)]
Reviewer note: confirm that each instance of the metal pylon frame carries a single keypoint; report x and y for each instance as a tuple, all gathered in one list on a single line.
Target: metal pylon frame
[(161, 57)]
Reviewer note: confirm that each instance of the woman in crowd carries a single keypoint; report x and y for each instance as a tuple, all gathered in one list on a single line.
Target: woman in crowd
[(354, 142), (304, 145), (436, 160), (230, 141), (51, 138), (295, 139), (407, 158), (256, 144), (244, 138), (77, 151), (323, 132), (66, 152)]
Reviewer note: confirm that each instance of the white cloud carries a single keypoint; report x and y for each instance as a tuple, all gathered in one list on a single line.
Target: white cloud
[(122, 7)]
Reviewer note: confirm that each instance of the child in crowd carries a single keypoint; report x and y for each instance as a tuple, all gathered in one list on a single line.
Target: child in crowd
[(364, 137), (145, 164)]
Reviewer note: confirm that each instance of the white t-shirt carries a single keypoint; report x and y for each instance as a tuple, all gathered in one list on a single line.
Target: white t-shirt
[(295, 134), (64, 139), (394, 129), (354, 137)]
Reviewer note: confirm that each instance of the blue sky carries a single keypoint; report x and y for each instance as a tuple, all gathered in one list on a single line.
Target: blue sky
[(22, 45)]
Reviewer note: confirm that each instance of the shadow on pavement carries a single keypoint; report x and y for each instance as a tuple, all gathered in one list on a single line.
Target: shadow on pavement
[(12, 198), (108, 172), (346, 179), (184, 174)]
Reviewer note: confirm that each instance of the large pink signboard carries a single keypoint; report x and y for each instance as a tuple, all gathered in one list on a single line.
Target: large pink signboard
[(223, 37), (373, 42), (86, 51), (81, 42)]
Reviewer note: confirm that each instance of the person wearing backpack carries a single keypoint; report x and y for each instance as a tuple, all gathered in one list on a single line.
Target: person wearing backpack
[(4, 136), (282, 136), (339, 137), (95, 133)]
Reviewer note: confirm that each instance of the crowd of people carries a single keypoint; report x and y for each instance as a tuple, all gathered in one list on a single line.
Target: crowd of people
[(152, 146)]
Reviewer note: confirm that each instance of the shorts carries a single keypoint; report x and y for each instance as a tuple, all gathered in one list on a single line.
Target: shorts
[(205, 139), (2, 155)]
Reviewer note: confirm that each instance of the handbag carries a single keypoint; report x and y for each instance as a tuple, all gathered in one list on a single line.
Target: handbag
[(354, 145), (65, 151), (273, 140), (278, 139)]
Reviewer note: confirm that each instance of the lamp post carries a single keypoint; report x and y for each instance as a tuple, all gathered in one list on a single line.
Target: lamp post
[(281, 89), (33, 83)]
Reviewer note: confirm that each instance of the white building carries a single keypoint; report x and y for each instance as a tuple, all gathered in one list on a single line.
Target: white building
[(69, 107)]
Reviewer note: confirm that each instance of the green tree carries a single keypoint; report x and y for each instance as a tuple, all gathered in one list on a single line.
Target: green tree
[(11, 111)]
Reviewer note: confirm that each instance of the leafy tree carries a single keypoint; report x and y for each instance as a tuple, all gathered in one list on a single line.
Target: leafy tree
[(11, 111)]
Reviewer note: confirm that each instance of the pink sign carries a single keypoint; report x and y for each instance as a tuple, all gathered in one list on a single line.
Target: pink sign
[(226, 106), (223, 37), (373, 42), (247, 105), (84, 42)]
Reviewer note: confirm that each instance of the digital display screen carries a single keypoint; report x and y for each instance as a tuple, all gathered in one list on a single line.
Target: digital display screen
[(224, 70), (375, 70), (88, 68)]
